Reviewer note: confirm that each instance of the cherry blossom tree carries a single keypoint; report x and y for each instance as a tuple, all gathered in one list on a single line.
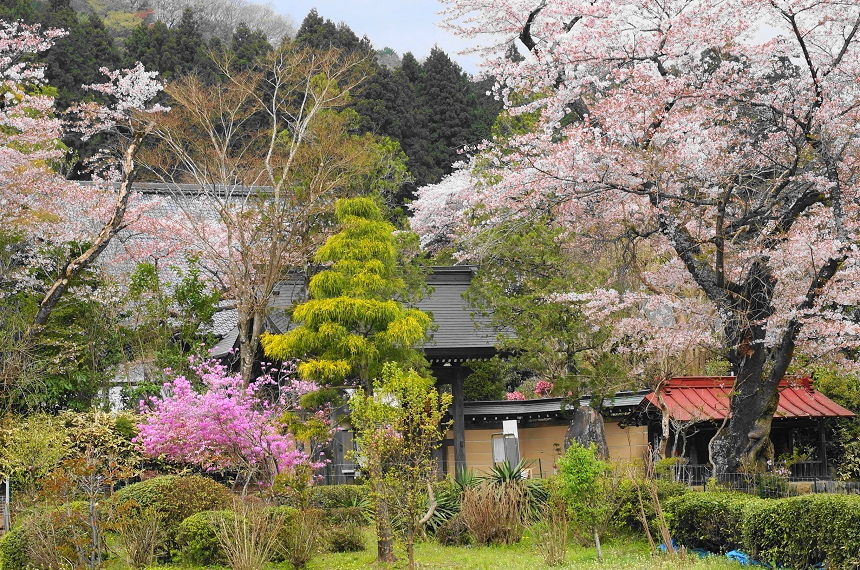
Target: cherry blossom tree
[(727, 160), (60, 228), (36, 198)]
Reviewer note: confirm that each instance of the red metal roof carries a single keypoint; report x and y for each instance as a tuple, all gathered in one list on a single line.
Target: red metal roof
[(707, 398)]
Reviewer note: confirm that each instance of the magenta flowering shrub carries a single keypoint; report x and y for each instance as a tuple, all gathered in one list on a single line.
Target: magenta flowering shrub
[(543, 388), (515, 395), (227, 425)]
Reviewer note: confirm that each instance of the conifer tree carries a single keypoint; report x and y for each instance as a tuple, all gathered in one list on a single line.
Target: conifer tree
[(353, 322)]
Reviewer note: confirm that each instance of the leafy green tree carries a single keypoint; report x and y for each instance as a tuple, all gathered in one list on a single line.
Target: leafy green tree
[(579, 482), (522, 267), (354, 322), (163, 324), (396, 431)]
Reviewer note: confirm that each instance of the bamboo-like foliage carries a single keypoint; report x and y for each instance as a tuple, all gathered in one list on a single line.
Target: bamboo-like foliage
[(354, 320)]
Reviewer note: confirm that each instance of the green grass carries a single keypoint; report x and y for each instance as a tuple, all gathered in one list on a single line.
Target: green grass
[(619, 554)]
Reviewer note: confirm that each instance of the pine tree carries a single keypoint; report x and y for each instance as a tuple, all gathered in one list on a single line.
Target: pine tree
[(444, 91), (353, 322), (319, 33), (75, 59), (172, 52)]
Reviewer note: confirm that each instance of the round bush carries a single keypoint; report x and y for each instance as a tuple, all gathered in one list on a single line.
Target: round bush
[(346, 538), (13, 549), (175, 497), (452, 532), (196, 540), (710, 520)]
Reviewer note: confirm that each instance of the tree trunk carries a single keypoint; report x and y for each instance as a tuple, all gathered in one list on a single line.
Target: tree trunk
[(78, 265), (743, 442), (384, 538), (586, 428)]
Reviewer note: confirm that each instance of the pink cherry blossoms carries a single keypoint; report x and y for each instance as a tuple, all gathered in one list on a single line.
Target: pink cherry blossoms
[(227, 425), (718, 139)]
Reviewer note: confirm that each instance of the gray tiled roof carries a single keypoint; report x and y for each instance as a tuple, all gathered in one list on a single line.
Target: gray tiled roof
[(459, 334), (457, 326)]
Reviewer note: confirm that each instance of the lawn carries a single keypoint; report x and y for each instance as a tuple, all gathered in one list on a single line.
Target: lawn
[(618, 554)]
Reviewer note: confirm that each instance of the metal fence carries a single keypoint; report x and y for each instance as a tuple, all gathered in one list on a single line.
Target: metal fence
[(768, 485)]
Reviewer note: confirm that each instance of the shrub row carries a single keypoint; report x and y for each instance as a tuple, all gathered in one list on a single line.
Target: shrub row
[(301, 536), (795, 532)]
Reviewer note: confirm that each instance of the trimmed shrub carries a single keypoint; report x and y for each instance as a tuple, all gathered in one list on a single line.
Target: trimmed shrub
[(196, 542), (710, 520), (175, 497), (627, 514), (340, 496), (13, 549), (799, 532), (346, 538)]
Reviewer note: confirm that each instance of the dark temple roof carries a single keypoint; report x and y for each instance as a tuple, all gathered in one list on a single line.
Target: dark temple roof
[(460, 335)]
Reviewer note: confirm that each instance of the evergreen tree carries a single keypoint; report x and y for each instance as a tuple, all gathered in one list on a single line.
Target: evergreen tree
[(523, 268), (75, 59), (444, 91), (319, 33), (353, 322), (18, 10), (172, 52), (248, 46)]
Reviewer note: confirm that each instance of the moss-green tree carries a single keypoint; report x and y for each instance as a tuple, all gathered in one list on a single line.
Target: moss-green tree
[(354, 321), (396, 431), (582, 483)]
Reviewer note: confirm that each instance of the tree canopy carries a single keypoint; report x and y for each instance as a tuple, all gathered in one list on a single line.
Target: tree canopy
[(724, 160), (353, 323)]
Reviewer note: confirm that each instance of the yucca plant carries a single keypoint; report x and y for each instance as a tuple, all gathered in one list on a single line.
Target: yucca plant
[(506, 474)]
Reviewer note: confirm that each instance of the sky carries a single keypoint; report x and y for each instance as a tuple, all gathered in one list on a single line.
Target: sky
[(402, 25)]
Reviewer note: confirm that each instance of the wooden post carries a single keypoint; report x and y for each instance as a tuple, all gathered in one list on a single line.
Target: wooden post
[(822, 442), (459, 422)]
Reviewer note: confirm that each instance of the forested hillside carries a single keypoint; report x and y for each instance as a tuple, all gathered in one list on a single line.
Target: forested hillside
[(432, 109)]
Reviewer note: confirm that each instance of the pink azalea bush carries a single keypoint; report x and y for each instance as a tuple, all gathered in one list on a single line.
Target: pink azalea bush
[(227, 425), (515, 395)]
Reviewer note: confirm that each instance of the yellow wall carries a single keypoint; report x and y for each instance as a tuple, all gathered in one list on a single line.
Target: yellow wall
[(541, 444)]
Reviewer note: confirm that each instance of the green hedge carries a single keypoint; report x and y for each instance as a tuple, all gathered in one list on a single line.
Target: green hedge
[(175, 497), (799, 532), (710, 520)]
